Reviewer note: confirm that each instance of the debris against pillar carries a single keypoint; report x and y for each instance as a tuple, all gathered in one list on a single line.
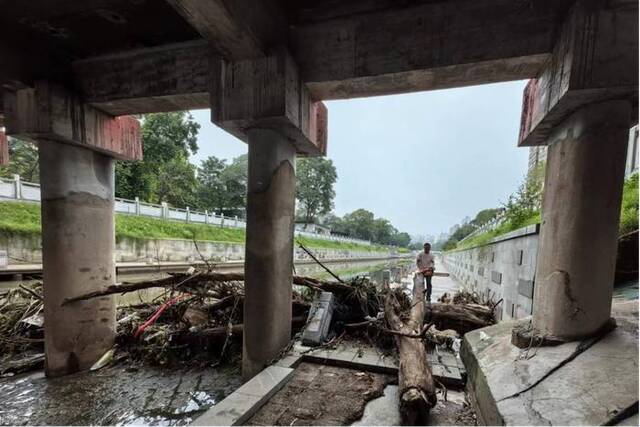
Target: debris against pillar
[(77, 145), (265, 103)]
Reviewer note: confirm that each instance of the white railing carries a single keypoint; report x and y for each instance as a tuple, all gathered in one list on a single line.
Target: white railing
[(16, 189)]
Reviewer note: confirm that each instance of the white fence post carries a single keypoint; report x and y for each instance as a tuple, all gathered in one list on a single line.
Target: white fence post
[(188, 214), (221, 220), (235, 222), (165, 210), (137, 206), (18, 186), (206, 216)]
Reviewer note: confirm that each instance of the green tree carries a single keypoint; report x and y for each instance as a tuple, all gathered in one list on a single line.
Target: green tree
[(526, 202), (315, 178), (176, 182), (400, 239), (211, 189), (23, 160), (359, 224), (234, 179), (164, 174), (484, 216)]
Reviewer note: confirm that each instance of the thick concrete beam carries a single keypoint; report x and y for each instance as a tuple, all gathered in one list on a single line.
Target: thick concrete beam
[(78, 240), (168, 78), (48, 112), (269, 248), (580, 214), (425, 46), (268, 93), (358, 51), (595, 58), (4, 149), (237, 29)]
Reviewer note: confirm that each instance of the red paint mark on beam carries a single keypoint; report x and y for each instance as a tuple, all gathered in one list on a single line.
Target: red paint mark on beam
[(4, 149), (318, 121), (530, 108)]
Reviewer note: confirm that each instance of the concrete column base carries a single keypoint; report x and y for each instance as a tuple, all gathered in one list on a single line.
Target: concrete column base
[(78, 241), (269, 249), (580, 217)]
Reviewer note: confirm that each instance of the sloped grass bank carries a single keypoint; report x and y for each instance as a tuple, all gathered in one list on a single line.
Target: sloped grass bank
[(24, 218), (628, 218)]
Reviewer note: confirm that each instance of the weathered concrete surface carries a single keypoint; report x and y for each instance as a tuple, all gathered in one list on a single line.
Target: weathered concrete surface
[(78, 240), (517, 387), (268, 93), (240, 405), (580, 215), (269, 249), (49, 112), (595, 58)]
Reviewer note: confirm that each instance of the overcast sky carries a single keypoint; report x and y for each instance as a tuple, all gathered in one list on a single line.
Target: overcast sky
[(424, 160)]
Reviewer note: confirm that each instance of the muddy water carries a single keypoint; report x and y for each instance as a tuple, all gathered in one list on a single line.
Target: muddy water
[(117, 395), (126, 393)]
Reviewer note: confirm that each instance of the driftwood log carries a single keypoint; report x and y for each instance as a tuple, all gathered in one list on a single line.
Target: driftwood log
[(203, 280), (416, 388), (462, 318)]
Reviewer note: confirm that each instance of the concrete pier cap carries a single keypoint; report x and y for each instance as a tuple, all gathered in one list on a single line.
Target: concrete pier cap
[(581, 106), (77, 145), (264, 102)]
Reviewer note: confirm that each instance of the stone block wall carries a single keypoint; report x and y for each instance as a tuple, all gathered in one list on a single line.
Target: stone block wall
[(502, 269)]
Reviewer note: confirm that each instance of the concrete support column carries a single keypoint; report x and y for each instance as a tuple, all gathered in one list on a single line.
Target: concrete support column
[(269, 248), (78, 244), (580, 216)]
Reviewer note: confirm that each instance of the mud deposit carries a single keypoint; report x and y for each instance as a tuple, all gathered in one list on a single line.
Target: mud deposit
[(321, 395), (117, 395)]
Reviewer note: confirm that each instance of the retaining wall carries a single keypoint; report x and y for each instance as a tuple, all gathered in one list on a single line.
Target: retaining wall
[(28, 249), (503, 269)]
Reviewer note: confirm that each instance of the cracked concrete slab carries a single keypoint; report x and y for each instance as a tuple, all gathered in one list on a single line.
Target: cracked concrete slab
[(588, 390)]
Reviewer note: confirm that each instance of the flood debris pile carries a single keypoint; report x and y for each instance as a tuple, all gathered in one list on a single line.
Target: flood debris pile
[(198, 319), (21, 332)]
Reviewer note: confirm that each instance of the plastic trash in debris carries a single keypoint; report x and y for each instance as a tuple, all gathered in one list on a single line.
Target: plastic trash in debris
[(35, 320), (104, 360)]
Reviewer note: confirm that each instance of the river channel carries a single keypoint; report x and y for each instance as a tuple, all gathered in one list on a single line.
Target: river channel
[(136, 393)]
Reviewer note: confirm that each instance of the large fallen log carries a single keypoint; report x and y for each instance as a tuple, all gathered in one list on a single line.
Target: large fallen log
[(416, 389), (203, 280), (460, 317)]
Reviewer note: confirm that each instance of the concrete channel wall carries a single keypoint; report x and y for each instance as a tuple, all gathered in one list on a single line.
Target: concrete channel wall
[(28, 249), (502, 269)]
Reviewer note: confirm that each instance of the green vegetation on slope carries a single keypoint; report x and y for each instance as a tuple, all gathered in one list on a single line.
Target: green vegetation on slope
[(628, 218), (24, 218), (629, 211)]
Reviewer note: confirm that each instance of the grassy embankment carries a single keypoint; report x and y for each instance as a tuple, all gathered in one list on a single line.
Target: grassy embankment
[(628, 218), (24, 218)]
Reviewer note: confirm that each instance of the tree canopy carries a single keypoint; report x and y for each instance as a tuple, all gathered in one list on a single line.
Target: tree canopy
[(164, 174), (23, 160), (315, 178)]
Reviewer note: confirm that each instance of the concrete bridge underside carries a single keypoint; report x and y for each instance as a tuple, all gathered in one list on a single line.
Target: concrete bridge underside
[(71, 72)]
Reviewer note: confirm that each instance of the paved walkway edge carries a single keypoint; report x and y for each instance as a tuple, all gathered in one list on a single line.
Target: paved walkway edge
[(240, 405)]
